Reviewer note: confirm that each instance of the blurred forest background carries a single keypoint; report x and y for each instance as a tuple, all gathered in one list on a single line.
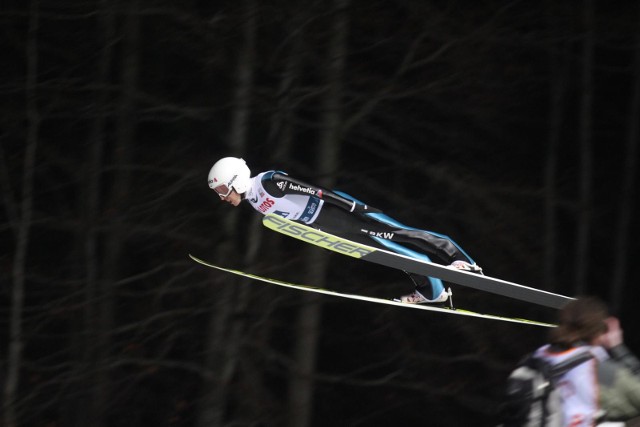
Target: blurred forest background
[(511, 126)]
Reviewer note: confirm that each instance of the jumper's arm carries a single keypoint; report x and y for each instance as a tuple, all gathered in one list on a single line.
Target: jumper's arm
[(279, 184)]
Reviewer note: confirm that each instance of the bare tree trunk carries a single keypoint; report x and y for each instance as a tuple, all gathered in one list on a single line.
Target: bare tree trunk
[(627, 190), (558, 77), (225, 333), (301, 386), (119, 202), (244, 88), (92, 190), (585, 203), (281, 133), (15, 345), (329, 160)]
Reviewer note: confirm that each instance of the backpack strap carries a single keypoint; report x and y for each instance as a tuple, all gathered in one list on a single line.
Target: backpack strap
[(565, 366), (553, 372)]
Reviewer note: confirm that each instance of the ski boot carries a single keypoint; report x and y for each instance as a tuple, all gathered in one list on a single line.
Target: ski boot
[(417, 298), (465, 266)]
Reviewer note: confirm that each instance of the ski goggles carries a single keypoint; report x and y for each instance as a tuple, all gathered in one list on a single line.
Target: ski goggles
[(223, 190)]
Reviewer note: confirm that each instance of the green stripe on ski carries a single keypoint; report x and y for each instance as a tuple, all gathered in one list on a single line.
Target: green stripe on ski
[(401, 262), (306, 288)]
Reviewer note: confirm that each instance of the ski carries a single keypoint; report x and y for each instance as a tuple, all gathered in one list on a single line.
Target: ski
[(401, 262), (306, 288)]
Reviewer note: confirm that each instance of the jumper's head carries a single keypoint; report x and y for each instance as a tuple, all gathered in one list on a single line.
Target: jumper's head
[(229, 174)]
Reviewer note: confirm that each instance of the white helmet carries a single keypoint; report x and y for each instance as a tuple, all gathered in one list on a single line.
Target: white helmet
[(229, 173)]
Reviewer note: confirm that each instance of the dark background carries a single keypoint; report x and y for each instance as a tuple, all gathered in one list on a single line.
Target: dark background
[(510, 126)]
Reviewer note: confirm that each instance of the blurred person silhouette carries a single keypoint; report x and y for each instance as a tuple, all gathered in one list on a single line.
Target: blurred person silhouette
[(340, 214), (601, 389)]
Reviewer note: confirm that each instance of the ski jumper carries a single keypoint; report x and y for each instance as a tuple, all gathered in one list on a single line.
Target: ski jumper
[(340, 214)]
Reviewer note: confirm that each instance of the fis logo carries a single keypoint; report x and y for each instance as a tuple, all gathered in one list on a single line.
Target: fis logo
[(282, 214)]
